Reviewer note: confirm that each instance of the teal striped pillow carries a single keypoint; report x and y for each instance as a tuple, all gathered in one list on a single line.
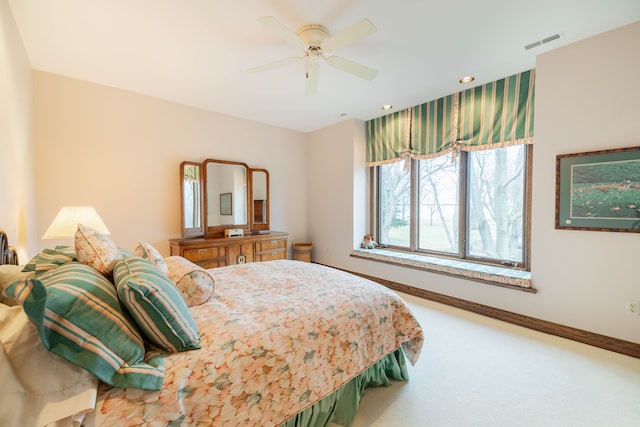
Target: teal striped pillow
[(50, 259), (70, 251), (79, 318), (155, 304)]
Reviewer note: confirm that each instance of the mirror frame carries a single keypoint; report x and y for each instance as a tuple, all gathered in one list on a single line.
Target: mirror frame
[(207, 230), (191, 231), (262, 225), (215, 230)]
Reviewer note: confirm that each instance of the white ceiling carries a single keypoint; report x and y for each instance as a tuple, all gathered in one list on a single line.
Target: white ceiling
[(196, 52)]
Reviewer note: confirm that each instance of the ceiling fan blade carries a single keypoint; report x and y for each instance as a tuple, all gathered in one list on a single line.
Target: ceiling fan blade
[(274, 64), (352, 34), (351, 67), (311, 85), (286, 34)]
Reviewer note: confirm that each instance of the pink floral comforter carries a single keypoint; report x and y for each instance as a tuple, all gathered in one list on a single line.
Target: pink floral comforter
[(276, 337)]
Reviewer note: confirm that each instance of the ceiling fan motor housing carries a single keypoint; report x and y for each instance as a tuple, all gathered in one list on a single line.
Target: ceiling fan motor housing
[(313, 34)]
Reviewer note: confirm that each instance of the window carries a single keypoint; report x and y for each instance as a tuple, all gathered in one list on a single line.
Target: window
[(474, 207)]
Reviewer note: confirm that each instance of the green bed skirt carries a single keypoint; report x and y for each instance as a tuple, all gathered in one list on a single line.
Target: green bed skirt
[(341, 406)]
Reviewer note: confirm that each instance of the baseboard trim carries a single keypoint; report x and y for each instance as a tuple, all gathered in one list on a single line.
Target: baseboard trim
[(601, 341)]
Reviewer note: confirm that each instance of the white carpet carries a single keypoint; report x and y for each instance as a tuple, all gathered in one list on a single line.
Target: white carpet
[(479, 372)]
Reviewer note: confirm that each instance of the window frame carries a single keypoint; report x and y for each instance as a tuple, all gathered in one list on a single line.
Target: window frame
[(374, 193)]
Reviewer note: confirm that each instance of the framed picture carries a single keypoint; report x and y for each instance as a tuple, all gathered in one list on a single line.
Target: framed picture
[(599, 190), (226, 204)]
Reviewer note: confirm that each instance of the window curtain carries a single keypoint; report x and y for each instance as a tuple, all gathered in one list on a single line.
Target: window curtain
[(434, 127), (388, 138), (496, 114)]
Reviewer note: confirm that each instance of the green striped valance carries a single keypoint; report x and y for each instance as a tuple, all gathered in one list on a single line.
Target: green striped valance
[(388, 137), (434, 125), (499, 112), (493, 115)]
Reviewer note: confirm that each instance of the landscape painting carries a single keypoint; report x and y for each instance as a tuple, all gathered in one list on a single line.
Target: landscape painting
[(599, 190)]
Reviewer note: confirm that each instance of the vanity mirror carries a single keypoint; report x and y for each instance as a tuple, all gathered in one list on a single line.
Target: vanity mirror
[(259, 199), (191, 199), (217, 195), (225, 215), (226, 196)]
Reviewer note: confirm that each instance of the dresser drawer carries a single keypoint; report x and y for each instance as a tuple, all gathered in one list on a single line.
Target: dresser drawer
[(270, 245), (204, 254), (273, 255), (212, 264), (218, 251)]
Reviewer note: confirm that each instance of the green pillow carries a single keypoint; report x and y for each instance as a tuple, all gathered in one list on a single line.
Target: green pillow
[(59, 253), (49, 259), (77, 314), (155, 304), (70, 251), (30, 266)]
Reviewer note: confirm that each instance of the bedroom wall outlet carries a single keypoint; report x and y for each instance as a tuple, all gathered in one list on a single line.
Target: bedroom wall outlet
[(633, 308)]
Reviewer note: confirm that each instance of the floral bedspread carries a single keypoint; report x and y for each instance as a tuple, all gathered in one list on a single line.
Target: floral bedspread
[(276, 337)]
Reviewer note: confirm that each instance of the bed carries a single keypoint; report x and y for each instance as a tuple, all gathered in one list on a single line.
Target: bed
[(279, 343)]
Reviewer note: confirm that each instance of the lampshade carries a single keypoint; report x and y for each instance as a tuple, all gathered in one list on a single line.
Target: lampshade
[(65, 224)]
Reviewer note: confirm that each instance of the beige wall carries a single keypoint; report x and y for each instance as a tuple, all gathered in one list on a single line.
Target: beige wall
[(120, 152), (337, 189), (586, 99), (17, 195)]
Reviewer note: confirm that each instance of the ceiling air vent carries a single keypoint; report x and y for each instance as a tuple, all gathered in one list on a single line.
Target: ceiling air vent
[(543, 41)]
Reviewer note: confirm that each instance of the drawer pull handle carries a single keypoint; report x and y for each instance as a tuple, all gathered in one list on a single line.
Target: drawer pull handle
[(202, 251), (274, 242)]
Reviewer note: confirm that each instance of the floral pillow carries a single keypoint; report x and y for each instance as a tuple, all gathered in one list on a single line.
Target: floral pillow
[(194, 282), (148, 252), (96, 250)]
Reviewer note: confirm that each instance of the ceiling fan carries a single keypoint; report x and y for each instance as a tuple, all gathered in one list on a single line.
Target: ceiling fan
[(315, 40)]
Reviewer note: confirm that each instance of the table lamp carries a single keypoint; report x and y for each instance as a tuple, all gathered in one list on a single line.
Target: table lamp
[(65, 224)]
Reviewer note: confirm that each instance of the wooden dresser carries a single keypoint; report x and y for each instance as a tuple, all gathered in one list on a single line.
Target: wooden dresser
[(211, 252)]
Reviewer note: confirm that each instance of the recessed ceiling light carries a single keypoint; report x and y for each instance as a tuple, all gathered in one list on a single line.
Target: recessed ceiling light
[(467, 79), (387, 107)]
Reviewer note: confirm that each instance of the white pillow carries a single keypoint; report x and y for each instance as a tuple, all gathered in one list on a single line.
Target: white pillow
[(38, 387)]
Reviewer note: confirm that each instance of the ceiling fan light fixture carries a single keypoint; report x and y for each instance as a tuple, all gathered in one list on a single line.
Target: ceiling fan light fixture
[(467, 79)]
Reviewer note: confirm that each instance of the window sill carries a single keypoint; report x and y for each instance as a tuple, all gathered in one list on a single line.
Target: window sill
[(493, 275)]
